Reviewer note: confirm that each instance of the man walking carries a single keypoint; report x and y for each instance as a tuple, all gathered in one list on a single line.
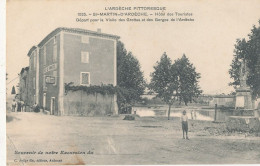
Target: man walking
[(184, 122)]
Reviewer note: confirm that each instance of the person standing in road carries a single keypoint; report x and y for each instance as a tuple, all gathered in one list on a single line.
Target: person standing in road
[(22, 106), (13, 106), (184, 122)]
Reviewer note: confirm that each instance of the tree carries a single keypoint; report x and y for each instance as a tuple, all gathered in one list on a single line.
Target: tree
[(130, 78), (188, 80), (13, 90), (177, 80), (164, 81), (248, 50)]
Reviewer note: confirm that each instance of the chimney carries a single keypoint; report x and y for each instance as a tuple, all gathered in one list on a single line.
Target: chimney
[(99, 30)]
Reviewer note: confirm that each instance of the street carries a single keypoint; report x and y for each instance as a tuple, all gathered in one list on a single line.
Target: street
[(39, 139)]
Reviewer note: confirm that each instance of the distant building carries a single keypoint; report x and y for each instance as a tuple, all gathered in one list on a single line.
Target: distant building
[(204, 99), (69, 55), (23, 84)]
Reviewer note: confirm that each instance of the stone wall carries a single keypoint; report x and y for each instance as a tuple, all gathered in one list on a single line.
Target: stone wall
[(223, 101), (83, 104), (243, 123), (243, 112)]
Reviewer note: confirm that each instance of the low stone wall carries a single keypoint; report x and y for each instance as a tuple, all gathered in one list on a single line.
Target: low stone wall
[(243, 123), (244, 112), (83, 104)]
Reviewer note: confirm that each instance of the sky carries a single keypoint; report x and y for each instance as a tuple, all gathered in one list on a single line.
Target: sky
[(208, 41)]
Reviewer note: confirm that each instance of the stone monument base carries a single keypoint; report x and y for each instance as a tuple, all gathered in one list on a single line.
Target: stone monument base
[(257, 113), (243, 123), (244, 98)]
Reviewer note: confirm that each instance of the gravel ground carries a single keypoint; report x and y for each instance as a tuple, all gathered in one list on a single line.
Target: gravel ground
[(112, 140)]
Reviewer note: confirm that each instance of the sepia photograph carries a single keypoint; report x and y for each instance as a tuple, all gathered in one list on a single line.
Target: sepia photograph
[(132, 82)]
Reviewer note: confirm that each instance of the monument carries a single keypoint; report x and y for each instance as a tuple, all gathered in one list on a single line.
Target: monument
[(243, 92), (243, 118)]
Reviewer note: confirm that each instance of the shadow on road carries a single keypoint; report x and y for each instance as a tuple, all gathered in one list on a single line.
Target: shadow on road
[(10, 118)]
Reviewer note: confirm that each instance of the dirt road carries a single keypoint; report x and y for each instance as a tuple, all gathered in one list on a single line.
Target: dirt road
[(112, 140)]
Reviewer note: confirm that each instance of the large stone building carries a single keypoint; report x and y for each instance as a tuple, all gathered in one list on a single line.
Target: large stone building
[(70, 55)]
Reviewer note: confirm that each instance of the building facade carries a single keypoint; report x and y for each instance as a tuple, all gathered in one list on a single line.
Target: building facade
[(23, 84), (31, 91), (68, 55)]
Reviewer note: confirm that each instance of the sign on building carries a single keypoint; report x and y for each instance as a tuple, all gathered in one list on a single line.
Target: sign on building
[(50, 68), (50, 80)]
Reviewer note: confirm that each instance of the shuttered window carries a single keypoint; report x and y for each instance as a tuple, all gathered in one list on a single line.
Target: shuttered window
[(85, 78)]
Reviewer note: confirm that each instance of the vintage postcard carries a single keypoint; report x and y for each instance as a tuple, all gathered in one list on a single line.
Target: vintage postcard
[(132, 82)]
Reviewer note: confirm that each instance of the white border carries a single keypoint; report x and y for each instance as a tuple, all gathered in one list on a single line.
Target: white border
[(115, 63), (3, 82)]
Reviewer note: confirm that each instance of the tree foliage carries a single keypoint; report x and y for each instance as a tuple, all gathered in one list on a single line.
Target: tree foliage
[(248, 50), (187, 80), (175, 81), (164, 80), (92, 89), (130, 78)]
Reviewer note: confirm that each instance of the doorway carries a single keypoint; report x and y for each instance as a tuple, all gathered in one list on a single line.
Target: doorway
[(44, 101), (52, 105)]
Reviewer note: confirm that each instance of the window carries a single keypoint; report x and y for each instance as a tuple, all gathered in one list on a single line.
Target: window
[(54, 58), (84, 39), (84, 78), (44, 55), (84, 57)]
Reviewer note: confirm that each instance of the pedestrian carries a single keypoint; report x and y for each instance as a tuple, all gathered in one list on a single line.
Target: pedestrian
[(13, 105), (36, 108), (191, 114), (22, 106), (18, 106), (184, 122)]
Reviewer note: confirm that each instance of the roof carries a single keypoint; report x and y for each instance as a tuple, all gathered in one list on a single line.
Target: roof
[(76, 30), (31, 50), (24, 69)]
